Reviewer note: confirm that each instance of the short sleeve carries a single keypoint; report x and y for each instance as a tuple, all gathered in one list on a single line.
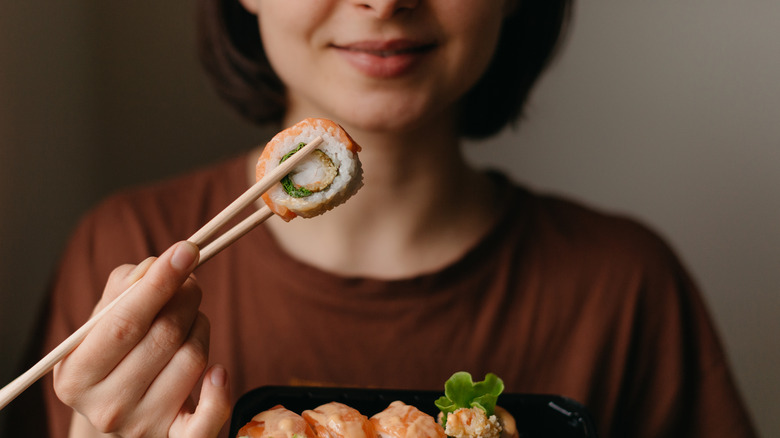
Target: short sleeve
[(678, 381)]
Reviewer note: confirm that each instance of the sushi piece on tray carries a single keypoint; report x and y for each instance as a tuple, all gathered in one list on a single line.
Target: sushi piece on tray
[(414, 414), (277, 422), (400, 420), (337, 420)]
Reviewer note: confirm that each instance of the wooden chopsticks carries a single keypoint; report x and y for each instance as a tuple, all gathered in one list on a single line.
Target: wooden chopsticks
[(200, 237), (207, 250)]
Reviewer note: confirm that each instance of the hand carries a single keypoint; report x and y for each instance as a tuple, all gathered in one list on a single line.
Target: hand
[(134, 373)]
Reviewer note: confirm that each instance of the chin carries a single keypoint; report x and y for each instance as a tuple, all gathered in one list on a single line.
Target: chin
[(382, 123), (377, 110), (388, 118)]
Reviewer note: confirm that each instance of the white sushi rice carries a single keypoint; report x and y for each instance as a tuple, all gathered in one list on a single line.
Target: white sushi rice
[(344, 185)]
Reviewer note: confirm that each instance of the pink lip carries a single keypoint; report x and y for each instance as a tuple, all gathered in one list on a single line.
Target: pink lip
[(384, 59)]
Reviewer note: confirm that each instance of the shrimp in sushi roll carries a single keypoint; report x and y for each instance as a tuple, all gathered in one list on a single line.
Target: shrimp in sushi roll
[(400, 420), (472, 423), (337, 420), (277, 422), (324, 179)]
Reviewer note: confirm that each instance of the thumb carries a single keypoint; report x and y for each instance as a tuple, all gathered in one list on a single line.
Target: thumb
[(213, 409)]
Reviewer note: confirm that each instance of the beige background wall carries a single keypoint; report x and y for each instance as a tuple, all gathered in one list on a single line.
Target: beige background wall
[(668, 111)]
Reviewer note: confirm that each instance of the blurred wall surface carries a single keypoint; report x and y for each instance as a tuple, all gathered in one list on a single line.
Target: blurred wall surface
[(666, 111)]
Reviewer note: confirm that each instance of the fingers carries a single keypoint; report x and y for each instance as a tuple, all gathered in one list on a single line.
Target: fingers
[(154, 337), (122, 278), (160, 281), (212, 411), (174, 383), (177, 328), (116, 334), (131, 407)]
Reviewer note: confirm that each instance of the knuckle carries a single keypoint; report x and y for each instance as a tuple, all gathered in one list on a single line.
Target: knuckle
[(108, 418), (196, 355), (67, 388), (119, 274), (196, 349), (124, 329), (167, 334), (116, 418)]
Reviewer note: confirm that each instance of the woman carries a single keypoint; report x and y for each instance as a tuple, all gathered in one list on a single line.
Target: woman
[(431, 268)]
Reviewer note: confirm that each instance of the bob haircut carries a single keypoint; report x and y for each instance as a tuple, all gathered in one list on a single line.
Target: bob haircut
[(232, 54)]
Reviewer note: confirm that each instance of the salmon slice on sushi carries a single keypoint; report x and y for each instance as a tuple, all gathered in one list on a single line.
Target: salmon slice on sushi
[(400, 420), (324, 179), (337, 420), (277, 422)]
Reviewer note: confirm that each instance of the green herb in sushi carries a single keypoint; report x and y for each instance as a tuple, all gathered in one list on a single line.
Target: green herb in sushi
[(287, 184), (328, 171)]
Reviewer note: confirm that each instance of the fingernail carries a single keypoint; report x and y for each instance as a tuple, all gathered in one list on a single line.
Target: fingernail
[(184, 256), (218, 376)]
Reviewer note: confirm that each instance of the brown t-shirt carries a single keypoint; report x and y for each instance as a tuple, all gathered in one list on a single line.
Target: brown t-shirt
[(557, 299)]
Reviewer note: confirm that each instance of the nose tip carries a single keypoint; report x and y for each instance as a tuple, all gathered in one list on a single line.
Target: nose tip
[(384, 9)]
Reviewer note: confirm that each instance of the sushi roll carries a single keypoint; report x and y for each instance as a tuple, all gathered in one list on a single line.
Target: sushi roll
[(277, 422), (327, 177), (468, 408), (400, 420), (337, 420)]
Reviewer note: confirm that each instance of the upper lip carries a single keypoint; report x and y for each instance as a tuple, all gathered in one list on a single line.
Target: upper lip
[(386, 47)]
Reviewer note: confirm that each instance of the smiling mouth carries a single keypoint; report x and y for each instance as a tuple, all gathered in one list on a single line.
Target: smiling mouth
[(387, 58), (388, 53), (387, 49)]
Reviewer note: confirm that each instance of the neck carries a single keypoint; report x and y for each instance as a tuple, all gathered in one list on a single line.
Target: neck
[(421, 207)]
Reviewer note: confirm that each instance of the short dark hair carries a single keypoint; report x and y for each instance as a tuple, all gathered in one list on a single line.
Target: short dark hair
[(232, 54)]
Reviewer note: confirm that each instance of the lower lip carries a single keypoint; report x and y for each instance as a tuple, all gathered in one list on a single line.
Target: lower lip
[(382, 67)]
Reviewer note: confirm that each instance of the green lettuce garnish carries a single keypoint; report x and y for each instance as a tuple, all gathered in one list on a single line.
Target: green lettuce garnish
[(287, 184), (460, 391)]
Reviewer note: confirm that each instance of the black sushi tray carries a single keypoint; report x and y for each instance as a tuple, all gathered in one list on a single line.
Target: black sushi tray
[(536, 415)]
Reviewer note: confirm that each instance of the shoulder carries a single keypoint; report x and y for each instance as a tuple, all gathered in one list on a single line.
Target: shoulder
[(594, 251), (576, 228), (617, 288)]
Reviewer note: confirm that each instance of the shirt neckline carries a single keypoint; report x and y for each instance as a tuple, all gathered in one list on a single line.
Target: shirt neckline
[(512, 206)]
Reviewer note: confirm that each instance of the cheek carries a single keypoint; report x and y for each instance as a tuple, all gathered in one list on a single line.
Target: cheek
[(283, 29), (283, 49), (481, 31), (276, 28), (291, 31), (475, 39)]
